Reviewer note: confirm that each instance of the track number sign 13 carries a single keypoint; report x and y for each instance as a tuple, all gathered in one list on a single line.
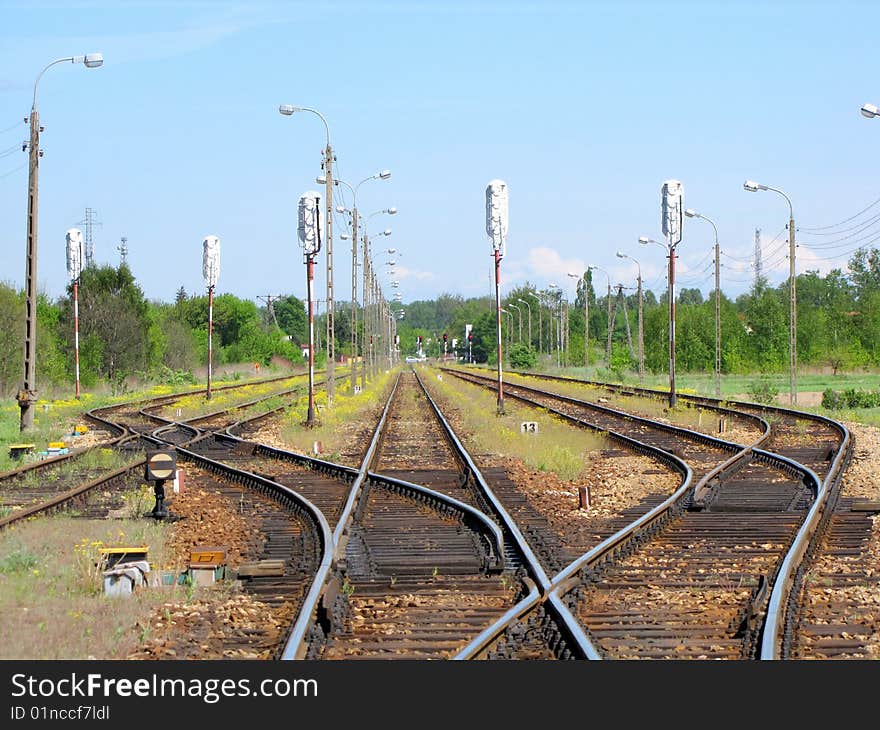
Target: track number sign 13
[(528, 427)]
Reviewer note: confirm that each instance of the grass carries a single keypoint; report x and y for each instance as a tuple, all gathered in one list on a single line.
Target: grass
[(54, 419), (51, 592), (557, 447), (348, 407), (737, 386)]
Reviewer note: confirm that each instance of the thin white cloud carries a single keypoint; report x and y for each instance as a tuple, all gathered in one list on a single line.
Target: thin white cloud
[(547, 264), (402, 272)]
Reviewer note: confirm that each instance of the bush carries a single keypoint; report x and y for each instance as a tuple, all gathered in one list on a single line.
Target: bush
[(850, 398), (831, 399), (522, 356), (763, 390)]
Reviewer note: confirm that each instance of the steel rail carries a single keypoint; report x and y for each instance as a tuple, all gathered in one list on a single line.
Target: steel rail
[(780, 603), (59, 499), (679, 431), (534, 565), (781, 596), (296, 647), (323, 529), (465, 509), (534, 597)]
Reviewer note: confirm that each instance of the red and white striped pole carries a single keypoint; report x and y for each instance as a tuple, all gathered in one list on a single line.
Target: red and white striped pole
[(76, 333), (210, 334)]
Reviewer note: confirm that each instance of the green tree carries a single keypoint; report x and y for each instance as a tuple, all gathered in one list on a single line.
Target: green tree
[(113, 322), (293, 317), (11, 333)]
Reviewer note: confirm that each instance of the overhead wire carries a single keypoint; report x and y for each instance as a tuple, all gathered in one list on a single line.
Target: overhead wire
[(846, 220)]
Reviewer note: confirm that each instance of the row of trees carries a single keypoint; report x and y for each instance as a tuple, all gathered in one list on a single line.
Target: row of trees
[(838, 324), (123, 334)]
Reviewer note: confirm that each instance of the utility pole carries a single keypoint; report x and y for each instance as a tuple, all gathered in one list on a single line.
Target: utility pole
[(641, 333), (629, 341), (368, 301), (717, 320), (610, 327), (27, 394), (354, 305), (123, 251), (792, 330), (759, 273), (269, 299), (88, 222), (328, 239)]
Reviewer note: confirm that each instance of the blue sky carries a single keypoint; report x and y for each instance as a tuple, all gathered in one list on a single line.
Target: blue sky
[(584, 109)]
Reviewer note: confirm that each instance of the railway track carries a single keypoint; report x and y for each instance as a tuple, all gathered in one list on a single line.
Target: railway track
[(697, 582), (91, 481), (56, 475), (418, 572), (822, 605)]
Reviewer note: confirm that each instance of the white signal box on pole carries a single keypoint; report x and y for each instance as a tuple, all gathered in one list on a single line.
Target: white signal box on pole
[(211, 261), (496, 214), (74, 253), (672, 210), (309, 219)]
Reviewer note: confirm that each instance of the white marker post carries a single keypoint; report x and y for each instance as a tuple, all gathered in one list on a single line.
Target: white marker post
[(211, 274), (74, 270), (496, 228)]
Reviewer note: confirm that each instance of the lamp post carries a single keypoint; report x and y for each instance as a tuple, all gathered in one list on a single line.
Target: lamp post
[(383, 175), (496, 229), (27, 394), (529, 307), (608, 304), (211, 274), (371, 287), (641, 320), (519, 315), (287, 110), (691, 213), (509, 325), (540, 326), (586, 315), (557, 294), (752, 187)]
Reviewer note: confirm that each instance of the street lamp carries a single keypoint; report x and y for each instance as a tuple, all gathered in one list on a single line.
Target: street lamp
[(529, 306), (509, 325), (383, 175), (622, 255), (691, 213), (870, 111), (519, 314), (608, 305), (496, 229), (752, 187), (327, 179), (540, 326), (27, 394), (557, 293), (586, 315)]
